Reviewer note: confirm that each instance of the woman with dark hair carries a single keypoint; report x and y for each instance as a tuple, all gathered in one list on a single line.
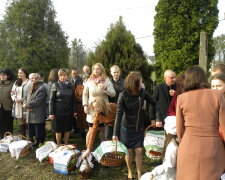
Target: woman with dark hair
[(19, 95), (6, 119), (129, 121), (200, 111)]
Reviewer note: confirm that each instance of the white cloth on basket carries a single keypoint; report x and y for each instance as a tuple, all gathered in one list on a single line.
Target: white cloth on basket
[(16, 147)]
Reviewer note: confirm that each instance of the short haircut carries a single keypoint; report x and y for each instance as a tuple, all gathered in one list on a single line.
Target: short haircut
[(63, 71), (219, 67), (168, 71), (74, 68), (132, 82), (114, 66), (195, 78)]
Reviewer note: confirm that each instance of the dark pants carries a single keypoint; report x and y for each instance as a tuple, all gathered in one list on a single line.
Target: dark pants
[(108, 132), (37, 130), (6, 122)]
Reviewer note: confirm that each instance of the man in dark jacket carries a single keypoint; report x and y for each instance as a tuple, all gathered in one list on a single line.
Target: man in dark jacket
[(163, 94), (75, 78), (117, 81), (118, 85)]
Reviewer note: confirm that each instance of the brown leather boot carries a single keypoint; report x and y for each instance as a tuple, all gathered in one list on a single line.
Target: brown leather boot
[(22, 129)]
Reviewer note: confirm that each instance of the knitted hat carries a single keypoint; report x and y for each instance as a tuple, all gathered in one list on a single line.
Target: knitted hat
[(170, 125)]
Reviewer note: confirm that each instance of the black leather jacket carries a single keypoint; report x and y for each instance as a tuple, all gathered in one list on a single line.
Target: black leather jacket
[(62, 99), (130, 112), (119, 87)]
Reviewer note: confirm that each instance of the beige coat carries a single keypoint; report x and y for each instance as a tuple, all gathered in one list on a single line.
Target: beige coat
[(91, 91), (201, 153), (20, 92)]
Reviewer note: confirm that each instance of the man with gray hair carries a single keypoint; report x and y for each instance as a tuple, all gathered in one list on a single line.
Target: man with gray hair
[(163, 94)]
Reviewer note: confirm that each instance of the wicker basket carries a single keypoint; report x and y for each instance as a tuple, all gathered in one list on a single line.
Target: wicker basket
[(8, 133), (87, 172), (153, 154), (113, 159), (27, 148)]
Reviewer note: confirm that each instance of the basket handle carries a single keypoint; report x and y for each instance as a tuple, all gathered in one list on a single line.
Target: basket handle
[(69, 148), (87, 163), (23, 137), (148, 128), (9, 134), (116, 147)]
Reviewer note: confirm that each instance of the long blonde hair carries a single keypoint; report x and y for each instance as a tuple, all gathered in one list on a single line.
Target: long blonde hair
[(102, 103), (102, 69)]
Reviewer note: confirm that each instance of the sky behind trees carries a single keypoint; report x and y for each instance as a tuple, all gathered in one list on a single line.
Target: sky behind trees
[(89, 20)]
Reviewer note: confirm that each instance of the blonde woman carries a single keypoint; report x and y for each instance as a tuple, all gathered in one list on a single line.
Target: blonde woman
[(97, 85), (19, 95), (103, 113), (62, 106)]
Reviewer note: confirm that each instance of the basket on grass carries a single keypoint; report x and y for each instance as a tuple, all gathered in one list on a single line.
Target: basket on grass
[(85, 174), (64, 159), (113, 159), (4, 143), (20, 148), (154, 143), (27, 148)]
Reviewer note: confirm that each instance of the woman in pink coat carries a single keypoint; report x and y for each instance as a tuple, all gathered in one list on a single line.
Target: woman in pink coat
[(200, 111)]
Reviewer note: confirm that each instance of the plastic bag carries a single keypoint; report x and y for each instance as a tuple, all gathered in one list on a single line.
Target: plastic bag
[(44, 151)]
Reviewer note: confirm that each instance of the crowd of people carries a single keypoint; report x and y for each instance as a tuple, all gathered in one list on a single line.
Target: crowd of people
[(190, 108)]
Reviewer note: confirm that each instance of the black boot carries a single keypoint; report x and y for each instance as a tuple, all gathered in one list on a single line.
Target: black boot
[(36, 143), (42, 140)]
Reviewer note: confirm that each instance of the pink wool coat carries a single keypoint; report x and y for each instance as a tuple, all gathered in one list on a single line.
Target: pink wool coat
[(201, 153)]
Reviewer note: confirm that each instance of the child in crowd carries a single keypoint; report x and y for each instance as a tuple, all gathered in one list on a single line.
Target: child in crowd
[(166, 171)]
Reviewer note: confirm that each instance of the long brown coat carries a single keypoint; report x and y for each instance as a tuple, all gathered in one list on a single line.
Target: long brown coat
[(201, 153), (81, 116)]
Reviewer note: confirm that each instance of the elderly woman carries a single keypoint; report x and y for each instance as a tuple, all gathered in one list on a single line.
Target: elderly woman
[(35, 106), (62, 107), (19, 95), (6, 103), (97, 85)]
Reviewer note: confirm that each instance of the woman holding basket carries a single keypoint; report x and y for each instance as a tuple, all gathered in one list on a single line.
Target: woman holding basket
[(129, 121)]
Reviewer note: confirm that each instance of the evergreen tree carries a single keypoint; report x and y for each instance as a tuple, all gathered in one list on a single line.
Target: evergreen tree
[(31, 38), (219, 44), (119, 48), (78, 54), (178, 24)]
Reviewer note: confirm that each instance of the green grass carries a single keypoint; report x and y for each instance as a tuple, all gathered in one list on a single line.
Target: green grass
[(29, 167)]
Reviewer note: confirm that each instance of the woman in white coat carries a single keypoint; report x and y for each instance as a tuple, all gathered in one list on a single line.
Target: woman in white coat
[(97, 85), (19, 95)]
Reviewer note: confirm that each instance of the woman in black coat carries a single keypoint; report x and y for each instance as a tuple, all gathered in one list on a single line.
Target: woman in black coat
[(62, 106), (129, 121)]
